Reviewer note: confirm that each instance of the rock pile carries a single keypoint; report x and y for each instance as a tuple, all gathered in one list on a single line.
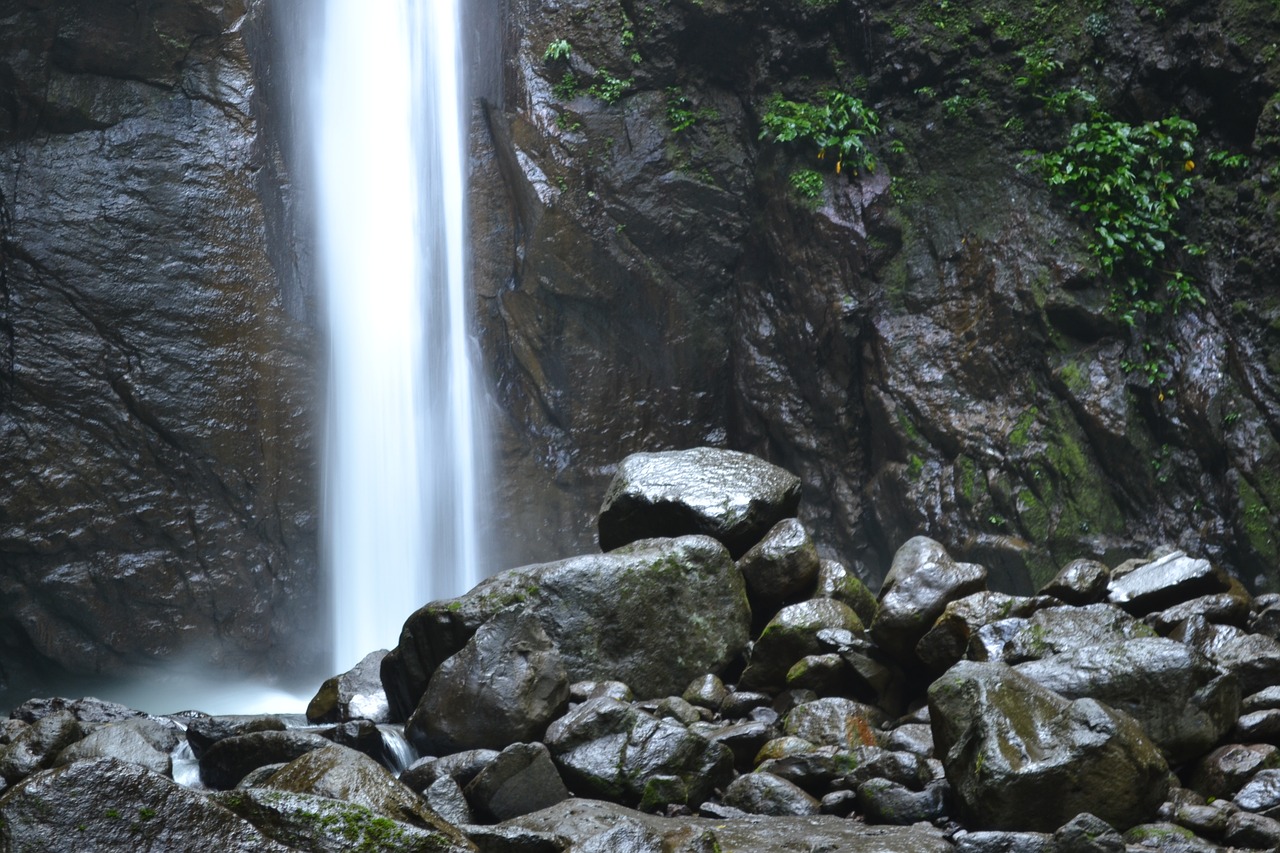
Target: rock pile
[(686, 694)]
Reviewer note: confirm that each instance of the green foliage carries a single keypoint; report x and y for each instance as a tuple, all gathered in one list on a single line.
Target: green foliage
[(609, 88), (807, 183), (558, 49), (1128, 180), (680, 114), (567, 89), (837, 126)]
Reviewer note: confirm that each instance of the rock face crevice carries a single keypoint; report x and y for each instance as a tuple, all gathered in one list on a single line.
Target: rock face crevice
[(158, 484)]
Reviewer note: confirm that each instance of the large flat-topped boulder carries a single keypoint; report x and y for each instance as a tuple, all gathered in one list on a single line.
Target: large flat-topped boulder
[(733, 497)]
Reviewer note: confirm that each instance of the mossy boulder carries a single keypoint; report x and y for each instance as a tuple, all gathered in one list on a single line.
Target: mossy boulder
[(1021, 757)]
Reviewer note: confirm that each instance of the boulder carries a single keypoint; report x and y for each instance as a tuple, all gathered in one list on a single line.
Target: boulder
[(766, 794), (835, 721), (1055, 630), (1162, 583), (791, 635), (609, 615), (227, 761), (461, 767), (504, 687), (1021, 757), (780, 568), (1227, 769), (354, 695), (111, 806), (1183, 702), (922, 580), (86, 710), (344, 774), (582, 821), (836, 581), (204, 731), (310, 822), (37, 746), (733, 497), (1079, 582), (1088, 833), (608, 749), (122, 742), (1261, 794), (520, 780), (947, 639), (886, 801)]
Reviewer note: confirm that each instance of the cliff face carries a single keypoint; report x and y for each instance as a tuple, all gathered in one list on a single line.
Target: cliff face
[(927, 342), (157, 489)]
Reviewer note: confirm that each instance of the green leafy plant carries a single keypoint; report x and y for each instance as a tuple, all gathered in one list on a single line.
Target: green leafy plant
[(558, 49), (807, 183), (567, 89), (838, 126), (680, 114), (609, 88), (1128, 180)]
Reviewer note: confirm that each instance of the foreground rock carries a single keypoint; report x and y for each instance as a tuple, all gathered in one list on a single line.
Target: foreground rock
[(109, 806), (1021, 757), (510, 679), (590, 825), (610, 616), (730, 496)]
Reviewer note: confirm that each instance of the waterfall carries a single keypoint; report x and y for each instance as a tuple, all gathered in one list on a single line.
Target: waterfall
[(400, 449)]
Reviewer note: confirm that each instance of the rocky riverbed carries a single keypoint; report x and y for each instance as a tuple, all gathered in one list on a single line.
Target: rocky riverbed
[(711, 684)]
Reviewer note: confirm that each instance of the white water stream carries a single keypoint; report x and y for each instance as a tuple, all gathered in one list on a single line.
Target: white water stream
[(401, 443)]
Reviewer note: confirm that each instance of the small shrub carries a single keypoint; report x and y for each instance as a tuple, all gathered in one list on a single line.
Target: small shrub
[(838, 126), (609, 88), (558, 49), (567, 89), (807, 183), (680, 114)]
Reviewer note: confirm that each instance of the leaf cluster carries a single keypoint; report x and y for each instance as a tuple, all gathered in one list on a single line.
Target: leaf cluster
[(1128, 179), (838, 126)]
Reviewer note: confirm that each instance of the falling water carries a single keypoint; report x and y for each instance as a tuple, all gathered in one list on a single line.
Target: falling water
[(400, 481)]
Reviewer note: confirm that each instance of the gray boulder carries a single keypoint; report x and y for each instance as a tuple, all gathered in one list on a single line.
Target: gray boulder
[(766, 794), (582, 821), (504, 687), (1055, 630), (461, 767), (1162, 583), (835, 721), (344, 774), (608, 749), (836, 581), (203, 732), (228, 761), (922, 580), (791, 635), (731, 496), (520, 780), (111, 806), (1021, 757), (124, 741), (1261, 794), (1184, 702), (1088, 833), (610, 615), (310, 822), (354, 695), (948, 638), (887, 801), (1227, 769), (1079, 582), (37, 746), (781, 567)]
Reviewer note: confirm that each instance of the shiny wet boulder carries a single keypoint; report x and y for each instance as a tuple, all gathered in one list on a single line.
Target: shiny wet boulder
[(922, 580), (1021, 757), (733, 497)]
